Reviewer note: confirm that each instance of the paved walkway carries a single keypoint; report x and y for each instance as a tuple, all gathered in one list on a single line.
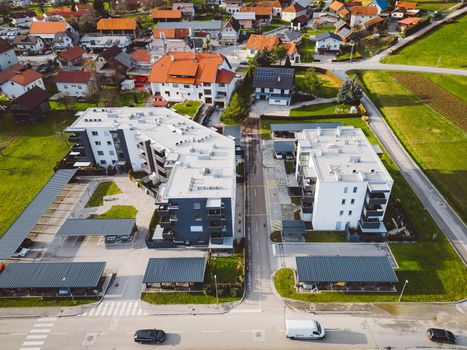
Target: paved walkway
[(263, 107)]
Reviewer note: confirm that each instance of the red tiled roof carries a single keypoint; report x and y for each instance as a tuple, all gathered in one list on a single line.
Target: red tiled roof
[(72, 54), (6, 74), (4, 46), (275, 3), (27, 77), (162, 14), (336, 6), (224, 76), (47, 27), (343, 12), (291, 47), (77, 77), (262, 42), (31, 99), (171, 33), (364, 11), (406, 4), (293, 8), (410, 21), (259, 11), (141, 55), (372, 21), (116, 24)]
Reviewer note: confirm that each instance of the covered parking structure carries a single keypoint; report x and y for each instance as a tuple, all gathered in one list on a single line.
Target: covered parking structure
[(52, 279), (175, 273), (284, 150), (345, 273), (293, 230), (113, 230)]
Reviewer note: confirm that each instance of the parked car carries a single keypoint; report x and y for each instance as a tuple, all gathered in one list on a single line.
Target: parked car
[(21, 252), (139, 84), (440, 336), (304, 329), (150, 336)]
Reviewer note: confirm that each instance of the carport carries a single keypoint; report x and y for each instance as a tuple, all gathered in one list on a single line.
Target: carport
[(293, 230), (345, 273), (114, 230), (52, 279), (284, 149), (175, 273)]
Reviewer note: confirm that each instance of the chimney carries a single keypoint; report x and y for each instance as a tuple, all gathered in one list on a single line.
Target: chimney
[(172, 57)]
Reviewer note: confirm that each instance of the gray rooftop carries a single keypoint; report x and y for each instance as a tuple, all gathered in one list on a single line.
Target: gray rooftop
[(97, 227), (24, 224), (290, 35), (301, 126), (195, 25), (279, 78), (233, 131), (325, 35), (293, 227), (284, 146), (52, 275), (345, 269), (173, 270)]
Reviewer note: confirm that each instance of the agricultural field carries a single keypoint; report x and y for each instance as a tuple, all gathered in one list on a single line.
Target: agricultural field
[(455, 84), (435, 5), (438, 145), (329, 87), (446, 46)]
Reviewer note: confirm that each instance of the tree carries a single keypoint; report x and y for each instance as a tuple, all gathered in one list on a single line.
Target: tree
[(312, 81), (350, 92), (280, 53), (263, 58), (237, 109), (98, 6), (287, 62)]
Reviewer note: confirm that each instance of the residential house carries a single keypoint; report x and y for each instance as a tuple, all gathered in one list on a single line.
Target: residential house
[(169, 40), (180, 76), (327, 42), (408, 22), (187, 8), (31, 106), (291, 12), (361, 14), (345, 33), (263, 14), (276, 6), (232, 8), (343, 13), (374, 24), (291, 36), (381, 5), (113, 63), (245, 19), (47, 30), (299, 22), (14, 81), (404, 8), (213, 28), (77, 11), (29, 44), (194, 167), (336, 6), (344, 182), (230, 32), (304, 3), (117, 26), (101, 42), (74, 84), (166, 15), (65, 40), (7, 55), (22, 17), (258, 43), (71, 59), (274, 85), (142, 62)]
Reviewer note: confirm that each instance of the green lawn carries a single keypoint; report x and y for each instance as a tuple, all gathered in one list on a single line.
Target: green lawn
[(325, 236), (39, 302), (27, 163), (455, 84), (184, 298), (434, 270), (227, 269), (328, 89), (436, 144), (317, 109), (435, 5), (444, 47), (106, 188), (117, 212), (188, 107)]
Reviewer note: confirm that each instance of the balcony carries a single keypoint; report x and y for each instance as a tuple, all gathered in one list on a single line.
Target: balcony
[(372, 223), (74, 138), (165, 222), (163, 209), (373, 210), (375, 199), (173, 205), (168, 234), (216, 238), (307, 206), (214, 212), (215, 224)]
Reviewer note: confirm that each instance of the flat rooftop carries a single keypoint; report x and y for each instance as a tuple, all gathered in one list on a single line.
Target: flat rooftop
[(342, 154)]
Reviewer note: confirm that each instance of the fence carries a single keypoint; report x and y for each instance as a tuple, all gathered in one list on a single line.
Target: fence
[(311, 117)]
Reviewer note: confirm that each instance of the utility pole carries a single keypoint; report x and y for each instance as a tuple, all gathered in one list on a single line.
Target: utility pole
[(351, 51), (403, 288), (69, 289), (217, 294)]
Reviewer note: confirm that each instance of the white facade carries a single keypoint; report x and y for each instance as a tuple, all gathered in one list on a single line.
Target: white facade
[(74, 89), (229, 35), (232, 8), (8, 59), (35, 48), (343, 177), (290, 16), (328, 44), (14, 90), (93, 42), (358, 20)]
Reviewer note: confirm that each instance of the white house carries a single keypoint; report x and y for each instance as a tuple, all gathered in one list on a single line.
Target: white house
[(180, 76), (343, 181), (230, 32), (29, 44), (293, 11), (381, 5), (100, 42), (232, 8), (14, 83), (74, 83), (361, 14), (187, 8), (22, 17), (7, 55), (327, 42)]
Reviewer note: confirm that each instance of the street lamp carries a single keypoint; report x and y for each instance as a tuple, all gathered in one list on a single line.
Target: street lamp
[(402, 292), (69, 289), (215, 283)]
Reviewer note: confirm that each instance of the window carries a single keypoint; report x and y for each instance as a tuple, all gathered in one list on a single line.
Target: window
[(350, 212), (94, 133), (341, 213), (186, 86), (196, 206), (196, 228), (198, 217), (352, 201), (346, 189), (221, 85), (98, 143), (103, 162), (175, 85), (100, 153), (112, 153), (343, 202), (167, 93), (109, 143), (355, 190)]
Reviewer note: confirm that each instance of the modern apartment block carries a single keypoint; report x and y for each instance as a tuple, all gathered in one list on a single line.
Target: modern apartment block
[(343, 181), (194, 166)]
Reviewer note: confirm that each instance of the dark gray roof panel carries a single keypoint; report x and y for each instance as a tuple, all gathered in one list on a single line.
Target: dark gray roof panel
[(18, 231), (51, 275), (97, 227), (172, 270), (234, 131), (326, 35), (279, 78), (293, 227), (284, 146), (345, 269)]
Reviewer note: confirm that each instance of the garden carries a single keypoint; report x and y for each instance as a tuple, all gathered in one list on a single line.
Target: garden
[(117, 212), (106, 188), (189, 108), (328, 88)]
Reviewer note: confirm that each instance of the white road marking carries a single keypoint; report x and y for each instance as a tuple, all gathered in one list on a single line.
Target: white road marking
[(40, 330), (246, 310), (110, 309), (29, 343), (175, 331), (43, 325), (38, 336), (117, 309), (30, 349), (211, 331), (47, 319)]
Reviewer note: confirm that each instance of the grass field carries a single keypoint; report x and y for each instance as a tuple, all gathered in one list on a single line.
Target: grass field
[(26, 164), (106, 188), (184, 298), (455, 84), (446, 46), (433, 268), (329, 87), (435, 5), (117, 212), (436, 144), (325, 236), (188, 107), (318, 109)]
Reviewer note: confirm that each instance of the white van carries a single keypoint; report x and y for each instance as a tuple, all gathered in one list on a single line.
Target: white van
[(304, 329)]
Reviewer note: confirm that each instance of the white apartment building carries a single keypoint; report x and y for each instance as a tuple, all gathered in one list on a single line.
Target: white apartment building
[(343, 180), (180, 76)]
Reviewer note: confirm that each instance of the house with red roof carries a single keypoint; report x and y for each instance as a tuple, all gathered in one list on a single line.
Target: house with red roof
[(361, 14), (71, 59), (74, 83), (15, 81), (180, 76), (293, 11)]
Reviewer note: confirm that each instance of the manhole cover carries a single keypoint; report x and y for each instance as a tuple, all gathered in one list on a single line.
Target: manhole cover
[(258, 334)]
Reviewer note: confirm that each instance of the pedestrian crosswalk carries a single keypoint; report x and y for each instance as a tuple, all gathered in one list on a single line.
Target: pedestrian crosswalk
[(123, 308), (276, 225), (272, 183)]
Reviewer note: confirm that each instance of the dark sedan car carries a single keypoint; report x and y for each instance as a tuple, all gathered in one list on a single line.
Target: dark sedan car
[(150, 336), (441, 336)]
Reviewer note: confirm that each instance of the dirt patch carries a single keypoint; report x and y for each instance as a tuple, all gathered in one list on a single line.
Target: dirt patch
[(444, 102)]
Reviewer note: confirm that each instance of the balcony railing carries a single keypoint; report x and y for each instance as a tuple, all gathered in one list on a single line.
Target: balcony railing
[(370, 223), (215, 224)]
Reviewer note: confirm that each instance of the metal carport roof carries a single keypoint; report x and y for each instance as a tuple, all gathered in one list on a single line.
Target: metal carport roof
[(284, 146), (172, 270), (51, 275), (24, 224), (97, 227), (345, 269), (293, 227)]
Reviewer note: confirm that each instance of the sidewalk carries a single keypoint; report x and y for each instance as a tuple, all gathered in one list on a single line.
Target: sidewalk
[(15, 312), (189, 309)]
